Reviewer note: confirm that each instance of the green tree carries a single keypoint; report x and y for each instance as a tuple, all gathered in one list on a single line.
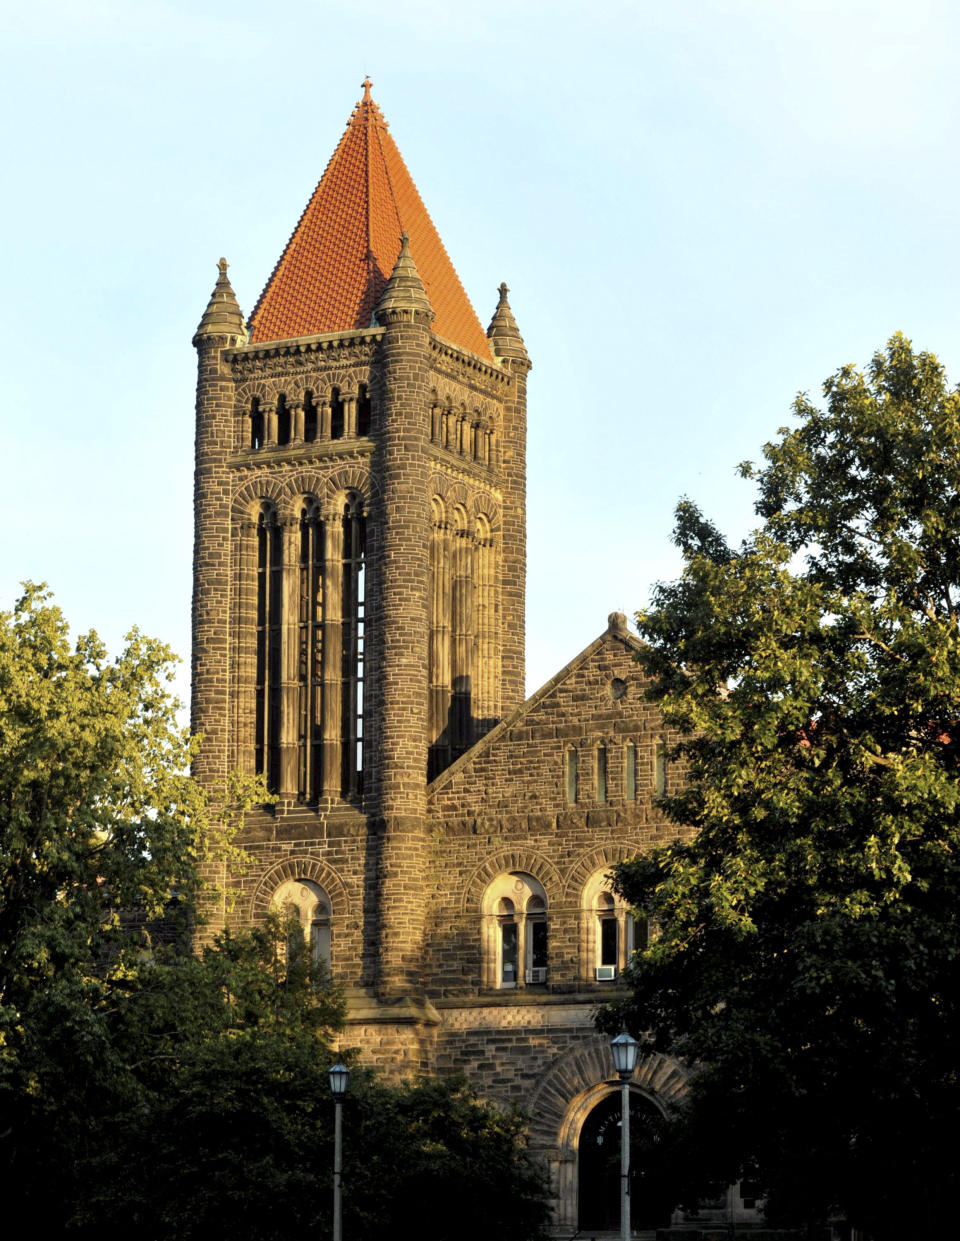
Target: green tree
[(244, 1145), (148, 1090), (97, 814), (809, 913)]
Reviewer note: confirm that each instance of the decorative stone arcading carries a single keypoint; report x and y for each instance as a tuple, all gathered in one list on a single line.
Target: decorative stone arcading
[(287, 491)]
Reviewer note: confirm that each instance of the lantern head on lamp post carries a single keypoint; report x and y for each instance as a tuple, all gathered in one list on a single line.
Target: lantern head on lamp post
[(339, 1075), (624, 1048)]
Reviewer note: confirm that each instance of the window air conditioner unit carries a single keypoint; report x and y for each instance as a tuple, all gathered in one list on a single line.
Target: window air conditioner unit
[(606, 973), (537, 974)]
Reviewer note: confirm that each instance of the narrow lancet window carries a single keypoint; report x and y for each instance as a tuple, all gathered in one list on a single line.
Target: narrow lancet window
[(601, 773), (353, 626), (570, 760), (363, 410), (336, 415), (309, 418), (608, 938), (268, 683), (630, 771), (283, 420), (256, 424), (660, 767), (509, 943), (310, 653), (537, 956)]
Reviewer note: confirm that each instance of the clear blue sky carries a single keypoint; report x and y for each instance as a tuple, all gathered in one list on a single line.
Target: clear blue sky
[(700, 208)]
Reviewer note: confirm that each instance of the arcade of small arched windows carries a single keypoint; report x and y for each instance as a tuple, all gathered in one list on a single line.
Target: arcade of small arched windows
[(468, 433), (515, 932), (301, 603), (342, 413), (464, 649)]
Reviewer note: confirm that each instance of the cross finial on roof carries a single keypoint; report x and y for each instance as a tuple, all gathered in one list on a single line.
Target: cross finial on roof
[(366, 89)]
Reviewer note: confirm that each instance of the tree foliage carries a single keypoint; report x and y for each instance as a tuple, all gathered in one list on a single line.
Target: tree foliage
[(148, 1090), (809, 914)]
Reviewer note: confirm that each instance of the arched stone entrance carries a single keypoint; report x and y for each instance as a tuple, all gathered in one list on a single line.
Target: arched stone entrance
[(598, 1179), (567, 1095)]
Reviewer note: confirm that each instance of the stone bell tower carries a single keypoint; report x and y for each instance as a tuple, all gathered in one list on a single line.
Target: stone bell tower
[(358, 614)]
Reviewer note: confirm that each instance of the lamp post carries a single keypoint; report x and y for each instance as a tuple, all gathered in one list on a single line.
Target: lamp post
[(339, 1076), (624, 1049)]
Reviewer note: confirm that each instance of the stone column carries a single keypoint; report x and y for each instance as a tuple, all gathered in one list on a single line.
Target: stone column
[(400, 594), (269, 424), (349, 415), (296, 421), (220, 329), (507, 345)]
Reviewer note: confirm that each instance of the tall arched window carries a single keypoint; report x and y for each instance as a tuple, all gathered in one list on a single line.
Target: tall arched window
[(607, 928), (305, 908), (363, 410), (336, 415), (310, 423), (462, 627), (310, 653), (283, 420), (515, 932), (354, 540), (439, 674), (268, 666), (256, 424), (485, 681)]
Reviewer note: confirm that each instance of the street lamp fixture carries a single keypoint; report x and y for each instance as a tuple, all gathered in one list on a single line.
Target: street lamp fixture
[(624, 1048), (339, 1075)]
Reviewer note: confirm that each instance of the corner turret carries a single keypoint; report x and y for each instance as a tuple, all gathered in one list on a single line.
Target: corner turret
[(404, 296), (503, 333), (222, 316)]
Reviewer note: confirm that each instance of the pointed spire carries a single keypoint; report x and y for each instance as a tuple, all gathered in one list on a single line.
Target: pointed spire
[(404, 291), (222, 316), (335, 267), (503, 333)]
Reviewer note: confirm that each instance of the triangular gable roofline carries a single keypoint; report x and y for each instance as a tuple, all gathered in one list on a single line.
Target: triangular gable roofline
[(617, 629)]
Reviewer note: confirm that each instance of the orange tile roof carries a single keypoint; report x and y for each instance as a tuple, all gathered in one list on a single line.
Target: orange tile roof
[(335, 266)]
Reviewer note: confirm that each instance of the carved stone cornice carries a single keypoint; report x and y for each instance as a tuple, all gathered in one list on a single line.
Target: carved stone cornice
[(336, 349), (466, 368), (332, 451)]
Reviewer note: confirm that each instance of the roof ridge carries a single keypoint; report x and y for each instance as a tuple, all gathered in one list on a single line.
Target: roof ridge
[(393, 192)]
